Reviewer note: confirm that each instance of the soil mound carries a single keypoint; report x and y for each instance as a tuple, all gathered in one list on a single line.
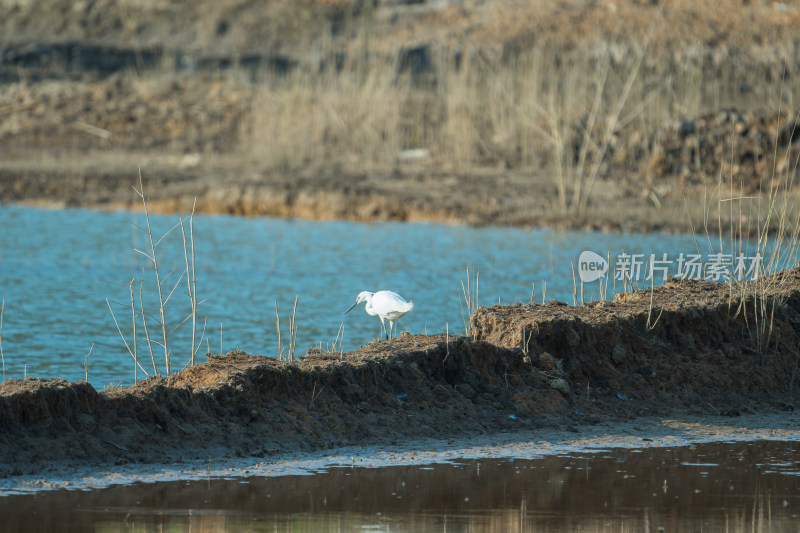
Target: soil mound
[(688, 346)]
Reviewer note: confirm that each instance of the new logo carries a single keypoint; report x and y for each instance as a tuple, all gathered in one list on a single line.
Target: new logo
[(591, 266)]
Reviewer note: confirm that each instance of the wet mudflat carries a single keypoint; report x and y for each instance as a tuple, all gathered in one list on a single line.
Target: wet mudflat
[(706, 487)]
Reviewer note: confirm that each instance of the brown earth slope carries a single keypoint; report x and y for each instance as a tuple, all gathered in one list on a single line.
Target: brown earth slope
[(698, 348), (202, 97)]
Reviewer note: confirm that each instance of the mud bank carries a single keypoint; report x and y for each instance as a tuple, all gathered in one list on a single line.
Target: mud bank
[(671, 190), (696, 350), (236, 105)]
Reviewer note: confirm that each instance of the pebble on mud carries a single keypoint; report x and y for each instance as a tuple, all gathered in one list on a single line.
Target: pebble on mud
[(548, 363), (560, 385), (619, 354), (466, 390)]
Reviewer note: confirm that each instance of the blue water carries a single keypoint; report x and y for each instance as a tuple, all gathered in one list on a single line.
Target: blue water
[(58, 267)]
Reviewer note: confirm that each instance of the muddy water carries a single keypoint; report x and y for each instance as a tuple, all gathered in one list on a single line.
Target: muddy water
[(58, 267), (751, 486)]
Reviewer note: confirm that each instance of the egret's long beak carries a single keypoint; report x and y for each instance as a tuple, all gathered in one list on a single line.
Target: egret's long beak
[(352, 307)]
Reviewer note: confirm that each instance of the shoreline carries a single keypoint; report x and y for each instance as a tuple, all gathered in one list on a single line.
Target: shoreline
[(488, 198), (677, 431)]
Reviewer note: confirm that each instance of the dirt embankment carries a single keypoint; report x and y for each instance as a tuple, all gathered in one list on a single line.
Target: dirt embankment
[(669, 190), (231, 103), (698, 348)]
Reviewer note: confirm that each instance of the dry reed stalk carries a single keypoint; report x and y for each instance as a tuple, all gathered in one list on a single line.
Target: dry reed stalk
[(541, 107), (649, 326), (777, 241), (133, 323), (278, 329), (574, 287), (470, 295), (144, 326), (2, 355), (86, 365), (189, 270), (342, 104), (446, 341), (122, 336), (293, 331), (340, 340), (154, 260), (191, 282), (612, 122)]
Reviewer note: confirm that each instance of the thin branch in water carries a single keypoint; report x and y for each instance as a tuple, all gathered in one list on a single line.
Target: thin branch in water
[(2, 355), (202, 336), (119, 330), (173, 289), (293, 330), (278, 327), (133, 322), (574, 287), (86, 364), (144, 326), (154, 260), (167, 233), (191, 278)]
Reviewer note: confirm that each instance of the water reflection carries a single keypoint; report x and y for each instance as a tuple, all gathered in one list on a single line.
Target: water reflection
[(711, 487)]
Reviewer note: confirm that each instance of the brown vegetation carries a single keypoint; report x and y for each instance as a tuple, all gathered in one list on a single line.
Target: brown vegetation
[(608, 115)]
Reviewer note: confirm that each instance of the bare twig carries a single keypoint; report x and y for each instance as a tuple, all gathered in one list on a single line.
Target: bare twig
[(652, 326), (2, 355), (278, 328), (144, 326), (154, 260), (293, 330), (314, 395), (133, 323), (86, 364), (446, 341), (574, 287), (340, 340), (470, 295), (123, 337), (191, 280)]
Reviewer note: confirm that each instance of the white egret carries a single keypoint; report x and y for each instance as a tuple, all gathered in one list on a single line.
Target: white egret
[(388, 305)]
